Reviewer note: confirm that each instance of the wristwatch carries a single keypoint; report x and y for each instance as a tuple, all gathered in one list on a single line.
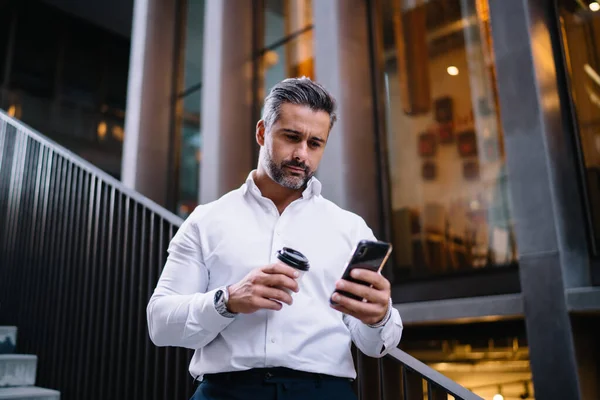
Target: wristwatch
[(220, 301)]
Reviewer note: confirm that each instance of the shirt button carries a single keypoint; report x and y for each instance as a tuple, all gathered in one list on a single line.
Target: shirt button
[(272, 340)]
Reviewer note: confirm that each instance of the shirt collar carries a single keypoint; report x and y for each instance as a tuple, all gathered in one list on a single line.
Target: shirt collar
[(313, 188)]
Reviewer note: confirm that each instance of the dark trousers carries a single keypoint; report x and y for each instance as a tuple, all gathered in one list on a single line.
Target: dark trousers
[(273, 384)]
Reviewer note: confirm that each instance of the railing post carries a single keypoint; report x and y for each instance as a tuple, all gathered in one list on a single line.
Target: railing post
[(368, 378), (412, 385), (391, 379)]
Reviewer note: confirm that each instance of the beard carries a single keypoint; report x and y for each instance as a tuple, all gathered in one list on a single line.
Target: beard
[(289, 179)]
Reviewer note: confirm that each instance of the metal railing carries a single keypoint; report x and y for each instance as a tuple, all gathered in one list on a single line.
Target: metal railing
[(403, 377), (80, 255)]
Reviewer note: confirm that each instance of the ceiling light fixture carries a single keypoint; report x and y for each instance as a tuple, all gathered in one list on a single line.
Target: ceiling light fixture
[(452, 70), (594, 6), (499, 395)]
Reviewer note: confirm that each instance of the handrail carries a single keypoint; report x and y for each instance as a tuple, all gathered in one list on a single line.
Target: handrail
[(436, 382), (80, 255), (92, 169)]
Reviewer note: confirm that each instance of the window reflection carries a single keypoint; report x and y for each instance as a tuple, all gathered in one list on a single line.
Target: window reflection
[(580, 23), (288, 39), (69, 82), (188, 110), (448, 180)]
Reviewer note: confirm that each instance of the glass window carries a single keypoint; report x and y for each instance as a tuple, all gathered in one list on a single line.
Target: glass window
[(580, 25), (67, 79), (288, 39), (492, 359), (450, 209), (6, 20), (188, 107)]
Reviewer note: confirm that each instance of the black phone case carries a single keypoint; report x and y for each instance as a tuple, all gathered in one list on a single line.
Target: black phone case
[(367, 255)]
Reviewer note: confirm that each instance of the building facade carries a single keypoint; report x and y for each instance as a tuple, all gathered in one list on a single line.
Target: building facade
[(468, 136)]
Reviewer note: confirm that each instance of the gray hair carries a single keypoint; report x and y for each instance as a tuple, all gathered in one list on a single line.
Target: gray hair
[(301, 91)]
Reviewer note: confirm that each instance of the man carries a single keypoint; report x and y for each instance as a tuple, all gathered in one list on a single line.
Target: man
[(223, 290)]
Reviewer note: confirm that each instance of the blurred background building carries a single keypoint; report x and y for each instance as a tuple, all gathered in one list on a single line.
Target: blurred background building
[(468, 136)]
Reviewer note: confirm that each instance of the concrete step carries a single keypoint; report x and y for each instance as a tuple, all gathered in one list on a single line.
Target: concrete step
[(8, 339), (17, 369), (28, 393)]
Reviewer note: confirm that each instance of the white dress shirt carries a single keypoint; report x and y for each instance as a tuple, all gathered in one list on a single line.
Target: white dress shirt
[(221, 242)]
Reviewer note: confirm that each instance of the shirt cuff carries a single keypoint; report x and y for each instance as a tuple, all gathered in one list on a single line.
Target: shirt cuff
[(389, 332), (386, 317), (206, 313), (386, 333)]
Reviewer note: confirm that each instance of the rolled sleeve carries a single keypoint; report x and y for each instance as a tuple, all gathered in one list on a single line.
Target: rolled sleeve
[(376, 342)]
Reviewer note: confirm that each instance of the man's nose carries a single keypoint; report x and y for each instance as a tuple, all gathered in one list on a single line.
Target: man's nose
[(301, 152)]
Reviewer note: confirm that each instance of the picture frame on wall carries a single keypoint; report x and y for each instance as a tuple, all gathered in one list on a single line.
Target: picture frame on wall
[(471, 170), (444, 110), (429, 171), (446, 132), (467, 143), (427, 144)]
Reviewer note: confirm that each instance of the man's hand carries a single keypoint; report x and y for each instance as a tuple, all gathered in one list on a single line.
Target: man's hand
[(263, 288), (377, 297)]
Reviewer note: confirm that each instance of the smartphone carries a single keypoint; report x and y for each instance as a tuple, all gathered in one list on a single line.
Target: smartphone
[(367, 254)]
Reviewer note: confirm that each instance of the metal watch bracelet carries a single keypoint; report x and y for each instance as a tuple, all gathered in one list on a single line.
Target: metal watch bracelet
[(221, 301)]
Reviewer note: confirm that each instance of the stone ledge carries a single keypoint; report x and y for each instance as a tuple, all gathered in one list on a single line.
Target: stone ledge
[(472, 309), (31, 392)]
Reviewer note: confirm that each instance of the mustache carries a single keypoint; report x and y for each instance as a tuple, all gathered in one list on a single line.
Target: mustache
[(295, 164)]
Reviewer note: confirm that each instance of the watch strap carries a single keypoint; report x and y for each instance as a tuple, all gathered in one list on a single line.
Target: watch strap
[(220, 302)]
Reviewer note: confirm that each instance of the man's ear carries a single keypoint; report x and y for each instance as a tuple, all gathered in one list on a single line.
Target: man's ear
[(260, 132)]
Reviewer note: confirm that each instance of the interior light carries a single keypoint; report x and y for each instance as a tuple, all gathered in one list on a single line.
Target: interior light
[(101, 130), (118, 133), (498, 397), (594, 6), (271, 58), (12, 111), (452, 70)]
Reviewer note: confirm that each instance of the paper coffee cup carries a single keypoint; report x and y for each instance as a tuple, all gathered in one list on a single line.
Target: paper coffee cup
[(296, 260)]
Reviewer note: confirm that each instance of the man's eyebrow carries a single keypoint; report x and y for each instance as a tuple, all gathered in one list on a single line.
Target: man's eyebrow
[(318, 139), (292, 131)]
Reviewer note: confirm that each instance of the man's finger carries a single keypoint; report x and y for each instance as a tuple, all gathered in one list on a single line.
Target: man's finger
[(355, 306), (279, 280), (346, 311), (268, 304), (370, 294), (281, 268), (374, 278), (275, 294)]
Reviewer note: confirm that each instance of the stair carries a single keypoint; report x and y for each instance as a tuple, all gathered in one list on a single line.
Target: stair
[(18, 371), (29, 393), (8, 339)]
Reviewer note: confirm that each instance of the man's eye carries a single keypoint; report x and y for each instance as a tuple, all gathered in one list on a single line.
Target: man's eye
[(315, 144), (292, 137)]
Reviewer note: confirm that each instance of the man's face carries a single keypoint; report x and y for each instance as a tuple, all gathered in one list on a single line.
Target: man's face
[(293, 146)]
